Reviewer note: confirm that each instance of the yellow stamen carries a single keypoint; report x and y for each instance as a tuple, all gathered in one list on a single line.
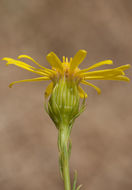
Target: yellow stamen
[(63, 59)]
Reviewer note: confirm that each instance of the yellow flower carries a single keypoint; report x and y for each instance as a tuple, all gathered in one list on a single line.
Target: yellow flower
[(69, 70)]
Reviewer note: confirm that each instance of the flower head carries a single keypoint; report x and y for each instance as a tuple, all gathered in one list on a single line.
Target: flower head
[(69, 70)]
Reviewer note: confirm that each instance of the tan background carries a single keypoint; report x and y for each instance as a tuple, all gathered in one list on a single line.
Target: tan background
[(102, 136)]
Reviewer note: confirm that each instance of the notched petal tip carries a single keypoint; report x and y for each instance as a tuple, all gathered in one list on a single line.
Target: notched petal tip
[(5, 59), (109, 61), (9, 60)]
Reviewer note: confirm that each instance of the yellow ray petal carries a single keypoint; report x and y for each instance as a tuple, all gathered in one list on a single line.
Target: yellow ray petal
[(82, 93), (124, 67), (107, 72), (106, 62), (96, 78), (30, 58), (77, 59), (54, 61), (119, 77), (17, 63), (48, 90), (24, 66), (29, 80), (121, 68), (89, 84)]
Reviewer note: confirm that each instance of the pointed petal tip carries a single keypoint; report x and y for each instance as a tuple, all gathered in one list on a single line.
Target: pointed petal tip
[(99, 91), (24, 56), (128, 80), (128, 66), (125, 78), (107, 62), (51, 54), (21, 56), (92, 85), (82, 93), (124, 67), (85, 96), (10, 85), (110, 62), (4, 59)]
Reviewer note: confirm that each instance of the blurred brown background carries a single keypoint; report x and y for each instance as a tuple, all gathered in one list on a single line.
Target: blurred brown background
[(102, 135)]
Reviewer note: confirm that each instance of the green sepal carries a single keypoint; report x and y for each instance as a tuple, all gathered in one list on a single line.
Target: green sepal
[(79, 187), (74, 181)]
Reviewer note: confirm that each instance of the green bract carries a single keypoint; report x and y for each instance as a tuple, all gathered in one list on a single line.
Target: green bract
[(63, 105)]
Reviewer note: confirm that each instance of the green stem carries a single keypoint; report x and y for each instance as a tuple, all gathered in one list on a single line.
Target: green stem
[(63, 142), (66, 174)]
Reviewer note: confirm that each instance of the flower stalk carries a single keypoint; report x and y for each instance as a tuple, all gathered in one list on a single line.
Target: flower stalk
[(64, 154)]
